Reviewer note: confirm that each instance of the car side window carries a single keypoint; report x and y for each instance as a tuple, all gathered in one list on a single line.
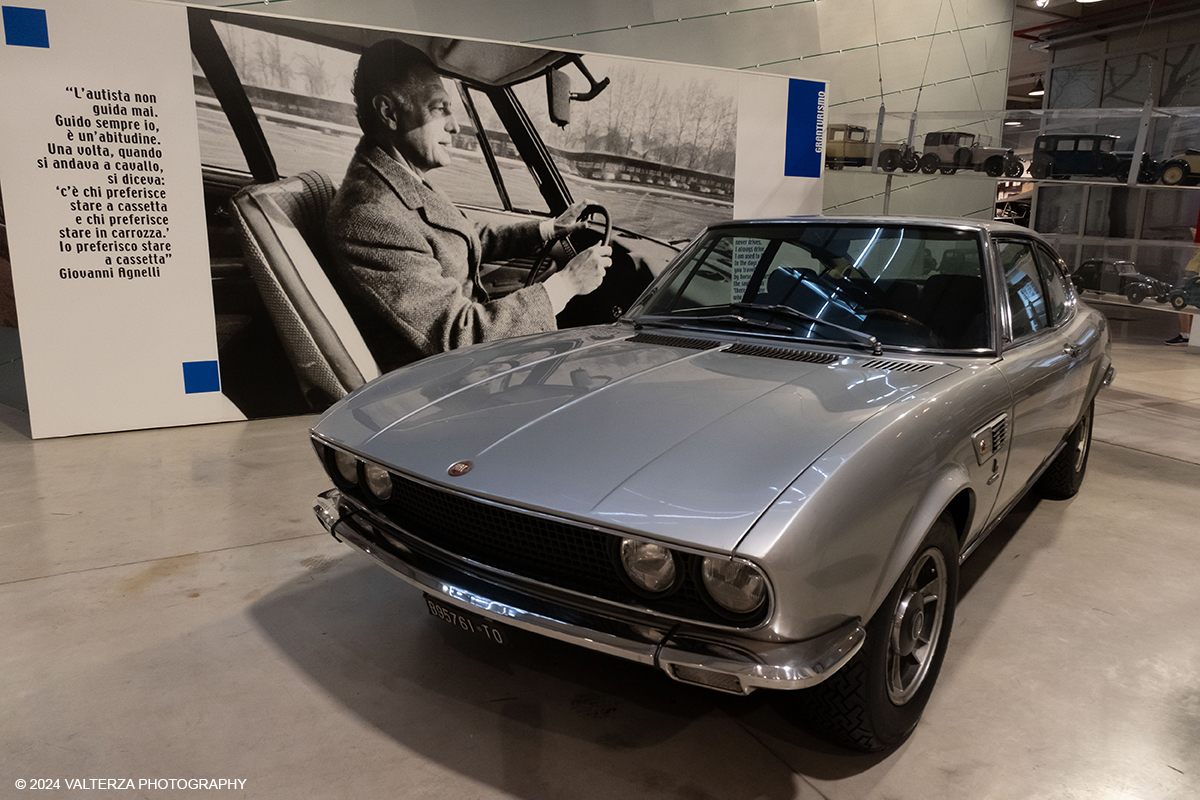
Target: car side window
[(1026, 298), (468, 180), (1057, 297)]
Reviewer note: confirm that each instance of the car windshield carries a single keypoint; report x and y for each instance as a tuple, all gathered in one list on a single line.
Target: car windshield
[(861, 284)]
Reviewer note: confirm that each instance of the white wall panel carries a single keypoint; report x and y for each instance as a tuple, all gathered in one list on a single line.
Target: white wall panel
[(737, 40), (846, 24)]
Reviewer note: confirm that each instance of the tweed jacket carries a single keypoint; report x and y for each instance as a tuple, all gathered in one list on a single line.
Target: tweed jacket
[(406, 262)]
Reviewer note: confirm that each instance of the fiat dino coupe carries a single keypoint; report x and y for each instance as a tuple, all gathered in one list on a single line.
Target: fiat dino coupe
[(763, 476)]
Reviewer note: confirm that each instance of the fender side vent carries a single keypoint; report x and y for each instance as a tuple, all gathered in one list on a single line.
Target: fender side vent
[(674, 341), (782, 353), (896, 366), (999, 435)]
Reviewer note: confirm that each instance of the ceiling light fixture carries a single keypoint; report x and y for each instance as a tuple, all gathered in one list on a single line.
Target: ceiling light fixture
[(1041, 3), (1087, 1), (1038, 90), (1012, 122)]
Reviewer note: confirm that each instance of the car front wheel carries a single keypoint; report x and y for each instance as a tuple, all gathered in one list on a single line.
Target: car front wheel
[(1175, 173), (1064, 476), (876, 699)]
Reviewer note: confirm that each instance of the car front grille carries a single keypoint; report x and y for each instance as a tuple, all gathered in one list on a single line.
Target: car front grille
[(548, 551)]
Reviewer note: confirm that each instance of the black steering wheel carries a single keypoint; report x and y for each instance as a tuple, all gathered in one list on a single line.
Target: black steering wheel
[(563, 250)]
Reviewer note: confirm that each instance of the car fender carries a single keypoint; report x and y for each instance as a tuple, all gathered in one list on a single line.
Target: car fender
[(836, 539)]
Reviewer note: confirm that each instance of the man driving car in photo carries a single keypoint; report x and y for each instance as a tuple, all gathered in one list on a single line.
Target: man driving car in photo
[(408, 259)]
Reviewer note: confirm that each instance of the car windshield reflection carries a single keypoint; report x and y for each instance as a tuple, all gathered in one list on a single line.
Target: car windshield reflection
[(857, 284)]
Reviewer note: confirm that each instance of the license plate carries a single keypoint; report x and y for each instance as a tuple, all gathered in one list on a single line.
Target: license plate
[(467, 622)]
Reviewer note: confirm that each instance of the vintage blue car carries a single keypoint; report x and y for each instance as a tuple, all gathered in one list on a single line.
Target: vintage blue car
[(763, 476)]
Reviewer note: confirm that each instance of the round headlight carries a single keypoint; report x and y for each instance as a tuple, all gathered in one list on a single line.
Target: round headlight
[(347, 466), (377, 480), (650, 566), (735, 585)]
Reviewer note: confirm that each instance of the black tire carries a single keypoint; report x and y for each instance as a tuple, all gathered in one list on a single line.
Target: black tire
[(994, 167), (858, 705), (910, 162), (1178, 302), (948, 170), (1040, 168), (929, 163), (1135, 294), (1014, 168), (1064, 476), (1175, 172), (1148, 172), (1122, 172), (889, 160)]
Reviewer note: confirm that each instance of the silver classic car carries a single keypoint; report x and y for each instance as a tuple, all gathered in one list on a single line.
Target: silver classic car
[(763, 476)]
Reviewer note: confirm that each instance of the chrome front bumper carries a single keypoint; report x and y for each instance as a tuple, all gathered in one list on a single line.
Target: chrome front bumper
[(724, 663)]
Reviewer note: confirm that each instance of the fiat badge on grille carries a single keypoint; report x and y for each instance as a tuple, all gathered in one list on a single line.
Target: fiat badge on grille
[(460, 468)]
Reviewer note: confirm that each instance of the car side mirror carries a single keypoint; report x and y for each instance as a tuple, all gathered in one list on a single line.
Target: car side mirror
[(558, 97)]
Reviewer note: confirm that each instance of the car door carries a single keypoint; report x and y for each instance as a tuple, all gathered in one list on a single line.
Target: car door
[(1036, 361)]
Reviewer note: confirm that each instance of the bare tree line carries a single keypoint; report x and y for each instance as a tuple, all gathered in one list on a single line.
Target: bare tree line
[(262, 59), (687, 124)]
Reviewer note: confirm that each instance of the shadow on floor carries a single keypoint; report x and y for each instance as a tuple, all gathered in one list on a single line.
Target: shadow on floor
[(367, 640)]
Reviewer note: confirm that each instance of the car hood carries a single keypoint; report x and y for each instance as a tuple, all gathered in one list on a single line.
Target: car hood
[(673, 436)]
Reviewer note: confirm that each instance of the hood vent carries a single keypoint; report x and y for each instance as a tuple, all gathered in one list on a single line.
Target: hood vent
[(674, 341), (896, 366), (782, 353)]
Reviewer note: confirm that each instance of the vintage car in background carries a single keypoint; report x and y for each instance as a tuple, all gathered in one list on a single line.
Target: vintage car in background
[(1185, 292), (851, 146), (1105, 276), (1182, 169), (763, 476), (1061, 155), (1066, 155), (950, 151)]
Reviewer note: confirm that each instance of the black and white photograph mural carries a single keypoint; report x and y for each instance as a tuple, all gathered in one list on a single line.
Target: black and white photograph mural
[(372, 197)]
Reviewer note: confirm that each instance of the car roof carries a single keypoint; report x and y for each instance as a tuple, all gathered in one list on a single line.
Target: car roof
[(1078, 136), (475, 61), (991, 226)]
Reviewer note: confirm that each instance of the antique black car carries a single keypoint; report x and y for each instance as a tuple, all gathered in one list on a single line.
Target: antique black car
[(1118, 277), (1061, 155)]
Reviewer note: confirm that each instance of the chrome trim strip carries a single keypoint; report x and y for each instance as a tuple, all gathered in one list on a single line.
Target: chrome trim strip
[(756, 664)]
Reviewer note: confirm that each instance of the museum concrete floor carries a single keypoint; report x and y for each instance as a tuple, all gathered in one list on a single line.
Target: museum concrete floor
[(170, 609)]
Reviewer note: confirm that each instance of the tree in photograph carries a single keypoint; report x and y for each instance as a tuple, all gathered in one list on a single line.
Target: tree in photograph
[(315, 75)]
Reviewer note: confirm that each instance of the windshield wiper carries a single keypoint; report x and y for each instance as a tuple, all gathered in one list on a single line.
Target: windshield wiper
[(865, 339), (736, 318)]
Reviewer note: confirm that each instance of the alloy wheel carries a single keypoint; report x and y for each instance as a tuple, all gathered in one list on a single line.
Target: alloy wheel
[(916, 626)]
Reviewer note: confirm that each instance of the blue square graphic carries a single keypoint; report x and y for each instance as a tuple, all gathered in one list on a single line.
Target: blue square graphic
[(804, 145), (25, 27), (201, 376)]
